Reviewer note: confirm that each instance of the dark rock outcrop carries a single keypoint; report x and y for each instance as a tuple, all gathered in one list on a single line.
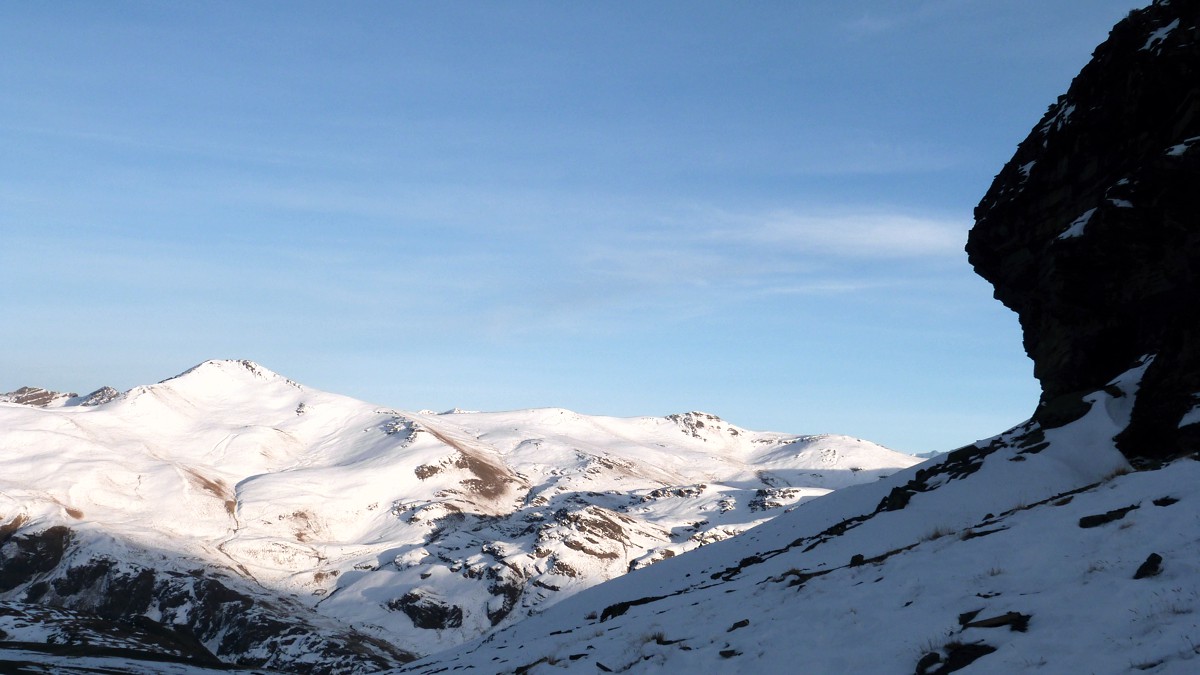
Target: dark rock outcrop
[(34, 396), (427, 610), (1091, 232), (85, 634), (211, 614), (100, 396), (28, 554), (40, 398)]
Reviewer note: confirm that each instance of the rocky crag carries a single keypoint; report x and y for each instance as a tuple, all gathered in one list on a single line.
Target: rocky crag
[(1091, 233)]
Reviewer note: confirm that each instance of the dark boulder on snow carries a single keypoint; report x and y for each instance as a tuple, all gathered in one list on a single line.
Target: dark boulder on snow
[(958, 655), (1091, 232), (1151, 568)]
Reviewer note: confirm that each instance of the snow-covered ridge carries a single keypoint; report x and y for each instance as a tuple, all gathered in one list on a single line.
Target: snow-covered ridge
[(424, 530), (1038, 550)]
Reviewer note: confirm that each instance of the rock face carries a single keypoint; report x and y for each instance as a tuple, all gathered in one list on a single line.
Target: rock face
[(1091, 232)]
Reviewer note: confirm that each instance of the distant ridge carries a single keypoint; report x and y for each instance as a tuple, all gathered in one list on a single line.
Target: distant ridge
[(286, 527)]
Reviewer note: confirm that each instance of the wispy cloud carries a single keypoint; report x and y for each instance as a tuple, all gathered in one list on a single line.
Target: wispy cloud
[(708, 261), (868, 234), (870, 24), (894, 18)]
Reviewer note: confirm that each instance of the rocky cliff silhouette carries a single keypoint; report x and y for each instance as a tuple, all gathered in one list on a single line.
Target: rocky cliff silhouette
[(1091, 232)]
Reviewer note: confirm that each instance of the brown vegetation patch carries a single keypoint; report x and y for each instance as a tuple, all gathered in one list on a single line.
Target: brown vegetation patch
[(491, 480), (215, 487), (303, 520), (7, 529), (427, 470), (322, 575)]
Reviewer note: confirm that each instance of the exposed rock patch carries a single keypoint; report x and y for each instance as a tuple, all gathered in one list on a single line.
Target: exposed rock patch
[(427, 610), (202, 609), (29, 554), (34, 396)]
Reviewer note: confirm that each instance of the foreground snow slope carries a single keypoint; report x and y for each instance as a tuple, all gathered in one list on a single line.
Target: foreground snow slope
[(1019, 552), (421, 529)]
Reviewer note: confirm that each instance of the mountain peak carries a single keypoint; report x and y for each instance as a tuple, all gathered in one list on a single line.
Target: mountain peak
[(36, 397), (703, 425), (225, 372), (236, 366)]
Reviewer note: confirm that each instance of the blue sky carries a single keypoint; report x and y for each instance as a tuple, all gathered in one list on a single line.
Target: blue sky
[(753, 209)]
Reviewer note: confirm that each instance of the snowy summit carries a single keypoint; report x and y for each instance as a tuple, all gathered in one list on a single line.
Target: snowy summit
[(417, 530)]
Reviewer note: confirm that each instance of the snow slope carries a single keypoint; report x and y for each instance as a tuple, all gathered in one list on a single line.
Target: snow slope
[(1017, 554), (422, 530)]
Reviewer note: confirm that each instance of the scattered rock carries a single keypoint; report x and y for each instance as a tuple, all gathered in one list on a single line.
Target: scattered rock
[(957, 655), (1016, 621), (928, 661), (1106, 517), (1151, 568), (975, 534), (621, 607), (966, 617)]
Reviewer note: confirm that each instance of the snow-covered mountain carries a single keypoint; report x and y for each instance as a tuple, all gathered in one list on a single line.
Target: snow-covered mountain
[(1035, 551), (1069, 544), (281, 524), (230, 511)]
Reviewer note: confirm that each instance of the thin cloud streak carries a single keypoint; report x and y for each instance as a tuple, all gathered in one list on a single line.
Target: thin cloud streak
[(849, 235)]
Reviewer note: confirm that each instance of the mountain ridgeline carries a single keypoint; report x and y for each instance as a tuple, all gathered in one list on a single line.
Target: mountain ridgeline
[(1091, 232), (234, 514)]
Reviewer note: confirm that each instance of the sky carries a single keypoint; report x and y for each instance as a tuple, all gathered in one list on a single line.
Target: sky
[(756, 210)]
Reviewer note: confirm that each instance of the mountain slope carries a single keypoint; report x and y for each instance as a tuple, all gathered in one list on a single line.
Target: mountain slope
[(280, 524), (1002, 551), (1067, 544)]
